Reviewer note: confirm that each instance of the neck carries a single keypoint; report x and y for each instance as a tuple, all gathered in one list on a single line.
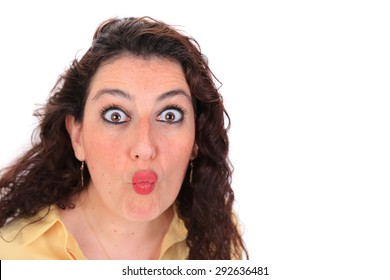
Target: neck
[(118, 238)]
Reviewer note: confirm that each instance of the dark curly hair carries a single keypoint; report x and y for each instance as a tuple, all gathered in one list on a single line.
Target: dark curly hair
[(49, 172)]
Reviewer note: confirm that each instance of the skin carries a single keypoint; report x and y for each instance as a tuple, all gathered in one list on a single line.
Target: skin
[(150, 134)]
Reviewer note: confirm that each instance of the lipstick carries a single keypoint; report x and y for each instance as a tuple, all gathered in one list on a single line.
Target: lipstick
[(144, 181)]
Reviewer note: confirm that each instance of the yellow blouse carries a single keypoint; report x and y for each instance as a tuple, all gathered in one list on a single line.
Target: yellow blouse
[(48, 239)]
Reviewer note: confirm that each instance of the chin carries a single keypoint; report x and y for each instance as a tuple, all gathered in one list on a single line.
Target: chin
[(143, 213)]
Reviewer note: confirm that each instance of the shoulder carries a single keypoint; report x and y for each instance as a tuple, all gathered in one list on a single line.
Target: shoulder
[(38, 237), (174, 245)]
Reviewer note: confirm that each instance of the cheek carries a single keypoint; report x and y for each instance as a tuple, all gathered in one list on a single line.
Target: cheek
[(102, 151), (177, 148), (178, 144), (177, 155)]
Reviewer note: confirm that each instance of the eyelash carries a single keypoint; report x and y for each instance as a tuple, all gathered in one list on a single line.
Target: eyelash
[(113, 107), (181, 110)]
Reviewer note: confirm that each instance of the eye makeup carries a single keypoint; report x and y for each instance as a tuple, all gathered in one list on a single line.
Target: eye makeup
[(172, 114), (115, 115)]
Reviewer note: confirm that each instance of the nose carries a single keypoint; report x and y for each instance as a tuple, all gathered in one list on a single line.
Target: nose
[(143, 146)]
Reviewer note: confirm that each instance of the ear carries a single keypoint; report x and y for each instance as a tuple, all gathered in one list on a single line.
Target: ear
[(74, 129), (194, 153)]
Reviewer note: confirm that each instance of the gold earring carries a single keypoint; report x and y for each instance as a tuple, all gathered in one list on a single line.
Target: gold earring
[(82, 173), (191, 170)]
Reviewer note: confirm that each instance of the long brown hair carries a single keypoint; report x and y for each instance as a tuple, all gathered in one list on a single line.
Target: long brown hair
[(49, 172)]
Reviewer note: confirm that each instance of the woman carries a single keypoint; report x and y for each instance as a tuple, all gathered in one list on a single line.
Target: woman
[(132, 157)]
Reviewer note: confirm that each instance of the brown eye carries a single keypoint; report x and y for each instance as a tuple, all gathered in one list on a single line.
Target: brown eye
[(115, 116), (171, 116)]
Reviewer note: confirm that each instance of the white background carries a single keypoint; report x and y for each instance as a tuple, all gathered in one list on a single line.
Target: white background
[(306, 84)]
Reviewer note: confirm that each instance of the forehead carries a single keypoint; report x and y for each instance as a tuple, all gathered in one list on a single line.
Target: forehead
[(133, 71)]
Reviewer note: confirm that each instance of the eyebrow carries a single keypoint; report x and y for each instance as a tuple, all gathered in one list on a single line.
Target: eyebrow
[(126, 95), (172, 93), (114, 92)]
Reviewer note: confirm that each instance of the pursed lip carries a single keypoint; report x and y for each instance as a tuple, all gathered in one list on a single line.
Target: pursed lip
[(144, 181), (144, 176)]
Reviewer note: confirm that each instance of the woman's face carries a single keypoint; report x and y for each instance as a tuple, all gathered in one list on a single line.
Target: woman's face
[(137, 136)]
